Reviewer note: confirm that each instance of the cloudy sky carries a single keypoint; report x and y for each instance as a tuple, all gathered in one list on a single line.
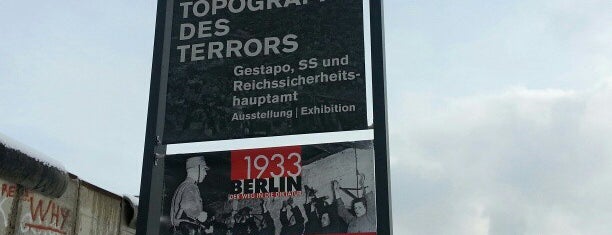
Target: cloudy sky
[(499, 110)]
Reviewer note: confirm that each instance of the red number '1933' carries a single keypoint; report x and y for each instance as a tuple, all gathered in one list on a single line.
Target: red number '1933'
[(267, 163)]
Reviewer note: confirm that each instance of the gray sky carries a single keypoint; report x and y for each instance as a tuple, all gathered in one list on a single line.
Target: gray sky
[(499, 110)]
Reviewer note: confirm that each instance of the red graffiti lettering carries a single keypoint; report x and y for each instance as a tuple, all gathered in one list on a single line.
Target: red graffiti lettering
[(65, 215), (44, 228), (58, 215), (38, 211), (9, 190), (12, 190), (55, 215)]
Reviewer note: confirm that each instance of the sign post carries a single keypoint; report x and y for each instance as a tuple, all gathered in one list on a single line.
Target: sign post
[(381, 135), (150, 185), (227, 70)]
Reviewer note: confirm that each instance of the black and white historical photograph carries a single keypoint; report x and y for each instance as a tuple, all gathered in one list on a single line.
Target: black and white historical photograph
[(334, 192)]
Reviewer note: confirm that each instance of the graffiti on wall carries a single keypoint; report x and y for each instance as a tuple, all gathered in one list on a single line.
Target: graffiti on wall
[(8, 192), (42, 215)]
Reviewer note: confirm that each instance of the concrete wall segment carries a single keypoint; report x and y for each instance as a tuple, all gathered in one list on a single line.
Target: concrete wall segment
[(42, 215), (99, 212), (9, 192)]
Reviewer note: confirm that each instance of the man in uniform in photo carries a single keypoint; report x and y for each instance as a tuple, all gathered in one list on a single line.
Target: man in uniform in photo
[(187, 214)]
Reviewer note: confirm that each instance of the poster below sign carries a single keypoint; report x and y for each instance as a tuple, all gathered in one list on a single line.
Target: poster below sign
[(242, 69), (310, 189)]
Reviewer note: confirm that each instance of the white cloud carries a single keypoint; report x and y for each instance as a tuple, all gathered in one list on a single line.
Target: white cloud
[(521, 161)]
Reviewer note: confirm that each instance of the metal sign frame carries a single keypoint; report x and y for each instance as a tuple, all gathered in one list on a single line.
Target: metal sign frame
[(151, 189)]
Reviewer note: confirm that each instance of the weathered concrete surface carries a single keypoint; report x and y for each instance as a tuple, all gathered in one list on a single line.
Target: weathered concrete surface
[(9, 192), (42, 215), (129, 211), (99, 212), (38, 197), (127, 231), (82, 209)]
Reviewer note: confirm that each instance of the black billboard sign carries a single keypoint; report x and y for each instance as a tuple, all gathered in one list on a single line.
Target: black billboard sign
[(255, 68), (310, 189), (232, 69)]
